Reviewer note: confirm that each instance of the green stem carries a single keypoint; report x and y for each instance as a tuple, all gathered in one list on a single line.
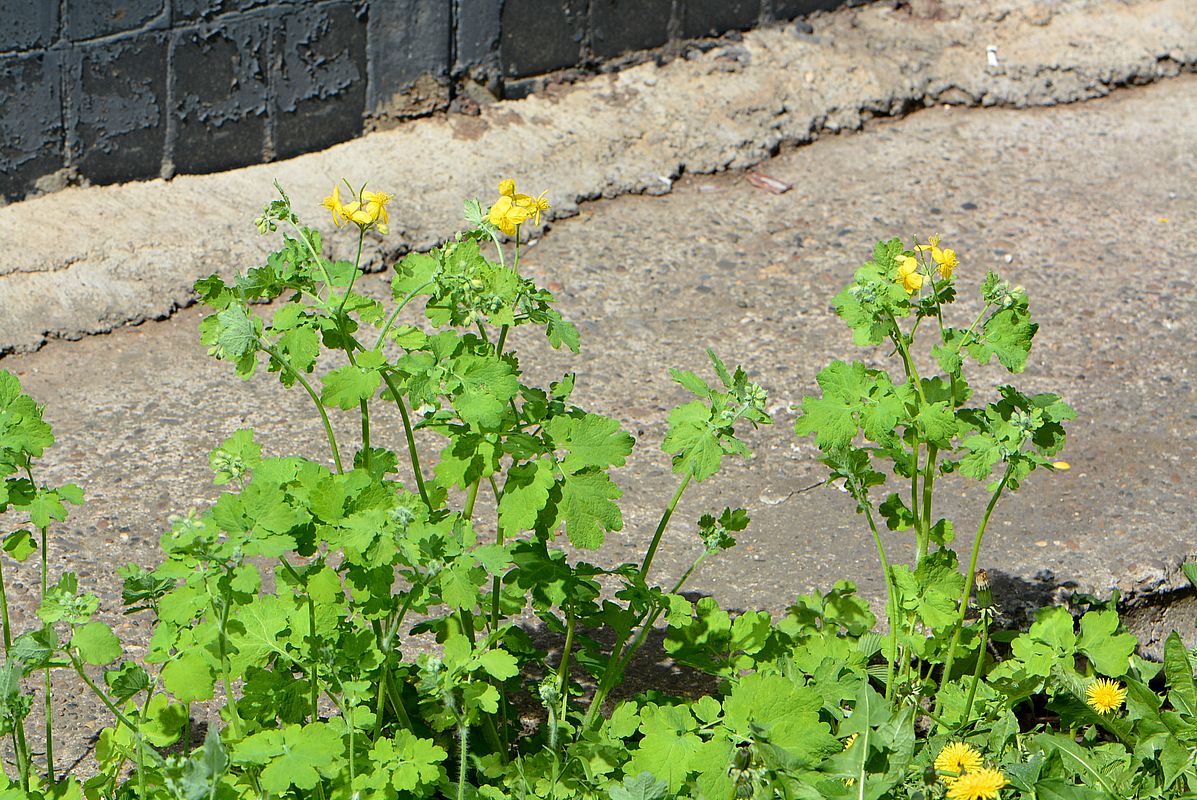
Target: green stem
[(328, 431), (563, 667), (313, 648), (495, 586), (920, 532), (382, 335), (365, 409), (891, 593), (412, 453), (103, 697), (463, 739), (972, 690), (47, 699), (18, 731), (928, 488), (471, 499), (652, 548), (226, 669), (968, 579)]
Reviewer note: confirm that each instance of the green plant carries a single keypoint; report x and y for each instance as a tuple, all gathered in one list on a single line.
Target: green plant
[(361, 632)]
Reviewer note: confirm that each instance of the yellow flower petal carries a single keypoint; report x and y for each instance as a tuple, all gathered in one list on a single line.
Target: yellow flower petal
[(507, 188), (1105, 695), (333, 204), (958, 757), (983, 784)]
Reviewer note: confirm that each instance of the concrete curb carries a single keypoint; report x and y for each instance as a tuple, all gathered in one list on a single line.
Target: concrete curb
[(86, 260)]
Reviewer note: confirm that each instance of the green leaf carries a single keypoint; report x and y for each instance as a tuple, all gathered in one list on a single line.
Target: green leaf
[(295, 756), (525, 495), (1178, 669), (405, 763), (588, 509), (45, 506), (1077, 760), (898, 517), (788, 713), (347, 386), (20, 545), (589, 441), (499, 664), (644, 786), (487, 386), (695, 446), (668, 745), (189, 678), (1109, 651), (238, 333), (459, 585), (255, 632), (96, 643), (1008, 334)]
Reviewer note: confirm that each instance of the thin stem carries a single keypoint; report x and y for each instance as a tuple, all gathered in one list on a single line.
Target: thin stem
[(382, 335), (969, 576), (18, 730), (365, 409), (972, 690), (313, 647), (891, 592), (47, 699), (328, 431), (920, 534), (116, 712), (463, 738), (226, 669), (928, 488), (495, 586), (471, 499), (563, 667), (4, 610), (664, 522), (412, 453)]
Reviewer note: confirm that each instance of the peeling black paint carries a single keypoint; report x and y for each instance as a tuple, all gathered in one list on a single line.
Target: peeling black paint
[(112, 90)]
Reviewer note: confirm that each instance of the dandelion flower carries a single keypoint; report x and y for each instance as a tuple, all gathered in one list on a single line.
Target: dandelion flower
[(982, 784), (908, 274), (1105, 695), (958, 757)]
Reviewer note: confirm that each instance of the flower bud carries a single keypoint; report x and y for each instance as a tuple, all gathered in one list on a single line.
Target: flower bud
[(984, 593)]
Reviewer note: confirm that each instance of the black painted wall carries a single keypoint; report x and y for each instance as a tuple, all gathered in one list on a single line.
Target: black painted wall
[(115, 90)]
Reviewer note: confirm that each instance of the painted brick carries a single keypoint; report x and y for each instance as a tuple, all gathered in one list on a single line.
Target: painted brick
[(118, 104), (408, 39), (788, 9), (713, 17), (30, 121), (618, 26), (186, 10), (320, 63), (478, 31), (220, 96), (87, 19), (540, 36), (24, 26)]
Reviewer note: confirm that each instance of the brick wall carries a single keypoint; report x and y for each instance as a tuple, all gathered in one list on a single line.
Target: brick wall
[(115, 90)]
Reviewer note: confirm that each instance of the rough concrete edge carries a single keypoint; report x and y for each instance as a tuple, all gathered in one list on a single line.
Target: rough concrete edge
[(778, 87)]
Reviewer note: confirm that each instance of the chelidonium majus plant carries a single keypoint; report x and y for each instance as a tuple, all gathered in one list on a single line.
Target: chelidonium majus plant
[(362, 627)]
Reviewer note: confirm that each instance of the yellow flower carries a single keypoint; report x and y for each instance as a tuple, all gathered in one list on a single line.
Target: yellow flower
[(505, 215), (533, 205), (958, 757), (851, 740), (983, 784), (1105, 695), (908, 274), (375, 206), (946, 260), (507, 188), (1062, 465), (333, 204)]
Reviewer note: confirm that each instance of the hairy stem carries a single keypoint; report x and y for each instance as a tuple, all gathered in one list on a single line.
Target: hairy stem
[(313, 649), (563, 667), (891, 593), (47, 699), (972, 690)]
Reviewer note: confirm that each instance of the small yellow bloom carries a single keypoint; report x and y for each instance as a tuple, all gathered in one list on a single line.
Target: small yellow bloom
[(946, 259), (507, 188), (533, 205), (908, 274), (958, 757), (1063, 466), (333, 204), (1105, 695), (505, 215), (983, 784)]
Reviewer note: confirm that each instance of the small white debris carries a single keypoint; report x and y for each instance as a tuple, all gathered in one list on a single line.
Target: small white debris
[(991, 55), (665, 181), (1009, 257)]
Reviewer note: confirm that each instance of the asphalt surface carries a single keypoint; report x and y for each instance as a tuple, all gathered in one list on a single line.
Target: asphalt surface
[(1090, 206)]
